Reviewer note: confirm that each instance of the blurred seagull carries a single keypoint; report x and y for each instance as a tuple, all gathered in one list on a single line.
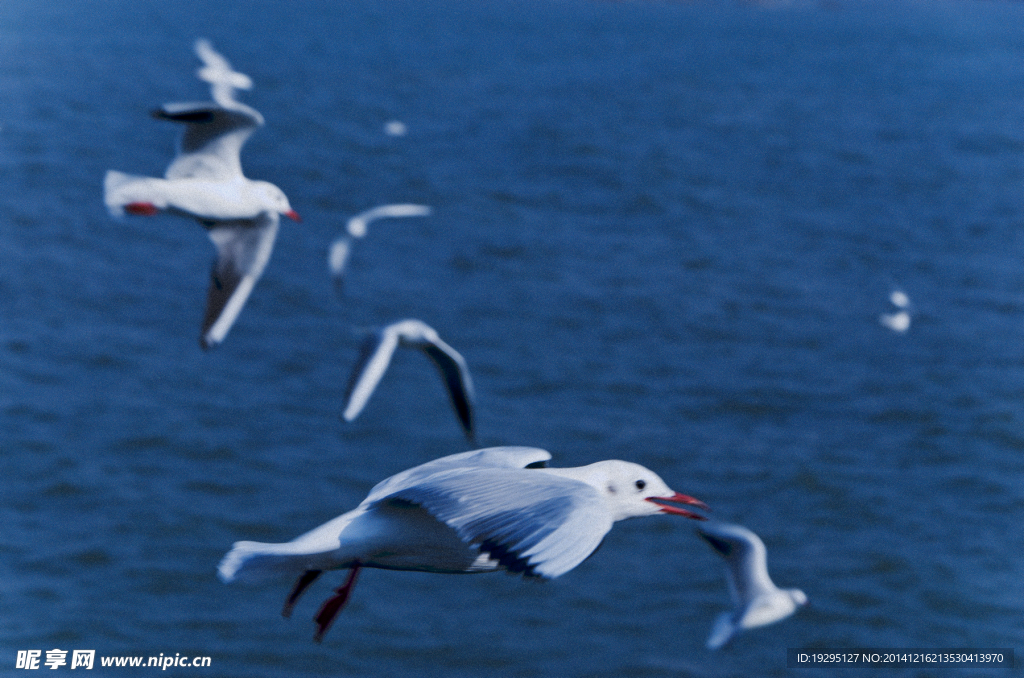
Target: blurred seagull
[(376, 355), (223, 79), (356, 226), (395, 128), (480, 511), (758, 601), (338, 255), (900, 320), (205, 182)]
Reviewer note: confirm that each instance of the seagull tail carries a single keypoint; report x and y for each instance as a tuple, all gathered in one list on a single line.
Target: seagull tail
[(120, 189), (721, 632)]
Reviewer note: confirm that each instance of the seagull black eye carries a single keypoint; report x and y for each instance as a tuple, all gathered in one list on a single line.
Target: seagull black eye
[(641, 484)]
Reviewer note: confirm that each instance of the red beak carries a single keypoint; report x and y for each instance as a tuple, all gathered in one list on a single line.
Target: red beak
[(680, 499), (293, 215)]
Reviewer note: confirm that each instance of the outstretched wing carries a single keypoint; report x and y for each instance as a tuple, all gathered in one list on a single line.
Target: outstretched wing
[(745, 558), (722, 632), (374, 358), (243, 250), (457, 380), (509, 456), (211, 145), (337, 258), (529, 521), (356, 226)]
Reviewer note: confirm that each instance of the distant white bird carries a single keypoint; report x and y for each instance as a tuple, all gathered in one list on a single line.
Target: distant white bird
[(341, 248), (900, 320), (205, 182), (897, 322), (356, 226), (376, 355), (478, 511), (758, 601), (223, 79), (395, 128)]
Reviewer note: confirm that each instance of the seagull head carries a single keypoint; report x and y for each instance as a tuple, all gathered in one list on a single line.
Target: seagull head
[(633, 491), (799, 597), (273, 198)]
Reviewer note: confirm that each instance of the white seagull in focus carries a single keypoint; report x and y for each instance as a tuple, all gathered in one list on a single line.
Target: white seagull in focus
[(900, 320), (480, 511), (341, 248), (205, 182), (376, 355), (758, 601)]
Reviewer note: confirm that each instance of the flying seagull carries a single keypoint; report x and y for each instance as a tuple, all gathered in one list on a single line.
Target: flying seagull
[(480, 511), (341, 248), (757, 600), (899, 321), (205, 182), (376, 355)]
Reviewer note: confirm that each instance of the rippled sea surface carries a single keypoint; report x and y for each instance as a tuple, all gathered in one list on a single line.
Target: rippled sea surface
[(662, 232)]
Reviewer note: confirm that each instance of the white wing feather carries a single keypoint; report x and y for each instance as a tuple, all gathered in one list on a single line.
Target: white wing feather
[(369, 370), (530, 521)]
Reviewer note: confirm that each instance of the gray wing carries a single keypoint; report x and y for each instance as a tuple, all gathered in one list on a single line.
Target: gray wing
[(243, 250), (456, 377), (211, 145), (374, 358), (530, 522), (746, 560), (509, 457)]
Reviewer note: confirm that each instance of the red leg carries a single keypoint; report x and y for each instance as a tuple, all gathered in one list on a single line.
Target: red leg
[(307, 578), (332, 606), (145, 209)]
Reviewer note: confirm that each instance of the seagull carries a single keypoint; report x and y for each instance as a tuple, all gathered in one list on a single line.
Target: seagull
[(217, 71), (900, 320), (485, 510), (395, 128), (758, 601), (356, 228), (205, 182), (376, 355)]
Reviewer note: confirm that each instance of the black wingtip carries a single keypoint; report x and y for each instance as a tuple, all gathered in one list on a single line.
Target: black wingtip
[(508, 559), (187, 116), (720, 545)]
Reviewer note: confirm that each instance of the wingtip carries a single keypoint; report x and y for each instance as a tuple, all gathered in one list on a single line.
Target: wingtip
[(352, 409), (721, 633), (229, 565)]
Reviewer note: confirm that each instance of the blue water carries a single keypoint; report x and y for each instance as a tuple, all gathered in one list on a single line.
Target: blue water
[(662, 232)]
